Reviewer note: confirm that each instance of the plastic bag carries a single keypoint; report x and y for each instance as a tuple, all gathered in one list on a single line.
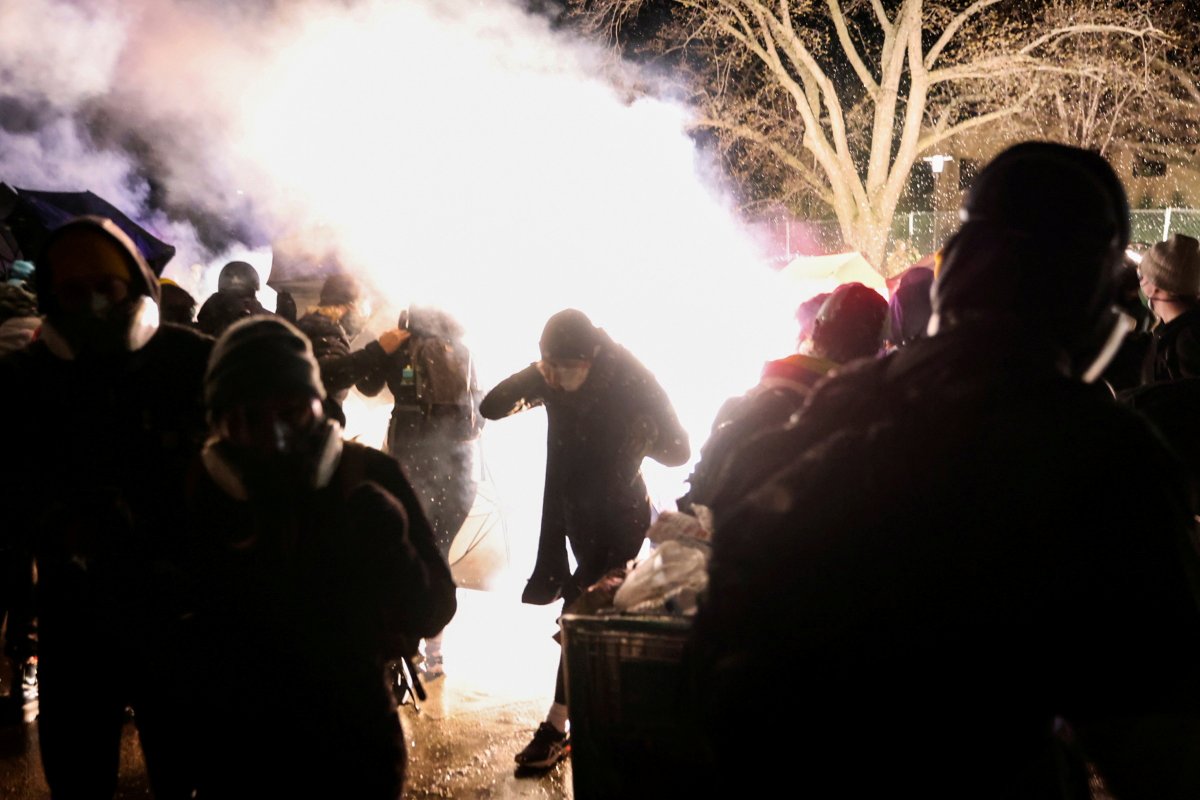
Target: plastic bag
[(668, 580)]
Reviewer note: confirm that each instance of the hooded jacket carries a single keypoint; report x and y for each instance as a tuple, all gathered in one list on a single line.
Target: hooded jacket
[(597, 437)]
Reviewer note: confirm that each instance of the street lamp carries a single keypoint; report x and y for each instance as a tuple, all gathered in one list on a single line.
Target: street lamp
[(937, 163)]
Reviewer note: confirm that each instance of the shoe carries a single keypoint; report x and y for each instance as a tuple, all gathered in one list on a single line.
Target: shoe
[(547, 748)]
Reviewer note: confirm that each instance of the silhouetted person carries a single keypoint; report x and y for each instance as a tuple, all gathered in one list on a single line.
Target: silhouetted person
[(1170, 280), (111, 415), (974, 563), (847, 326), (176, 303), (605, 413), (235, 299), (315, 567), (332, 325), (434, 426)]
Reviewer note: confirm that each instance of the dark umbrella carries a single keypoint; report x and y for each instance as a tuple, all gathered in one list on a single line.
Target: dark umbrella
[(30, 216)]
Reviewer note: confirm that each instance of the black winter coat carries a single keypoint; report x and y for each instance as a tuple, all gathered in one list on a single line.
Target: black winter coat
[(341, 369), (301, 607), (1175, 350), (97, 490), (596, 439), (963, 550)]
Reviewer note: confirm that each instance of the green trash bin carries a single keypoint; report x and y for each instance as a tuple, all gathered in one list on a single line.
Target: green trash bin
[(624, 687)]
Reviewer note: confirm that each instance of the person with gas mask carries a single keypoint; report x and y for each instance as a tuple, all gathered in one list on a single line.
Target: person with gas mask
[(315, 566), (332, 325), (971, 576), (605, 413), (111, 416), (236, 298)]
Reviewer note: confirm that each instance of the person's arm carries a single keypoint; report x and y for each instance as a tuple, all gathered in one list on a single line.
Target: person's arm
[(515, 393), (668, 444), (341, 370), (424, 592)]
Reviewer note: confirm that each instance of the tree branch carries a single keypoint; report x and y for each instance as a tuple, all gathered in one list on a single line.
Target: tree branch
[(843, 32), (948, 34)]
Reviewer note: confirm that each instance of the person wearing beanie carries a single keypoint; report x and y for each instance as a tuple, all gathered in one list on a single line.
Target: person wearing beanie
[(1169, 274), (605, 414), (315, 567), (178, 305), (236, 298), (933, 547), (909, 308), (333, 325), (111, 414), (845, 326)]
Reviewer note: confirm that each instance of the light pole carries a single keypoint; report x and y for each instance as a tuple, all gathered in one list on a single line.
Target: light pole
[(937, 164)]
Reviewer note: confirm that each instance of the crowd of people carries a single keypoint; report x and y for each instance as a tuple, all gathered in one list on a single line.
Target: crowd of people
[(953, 533)]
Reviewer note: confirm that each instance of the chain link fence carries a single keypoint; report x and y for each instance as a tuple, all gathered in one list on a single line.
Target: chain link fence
[(918, 233)]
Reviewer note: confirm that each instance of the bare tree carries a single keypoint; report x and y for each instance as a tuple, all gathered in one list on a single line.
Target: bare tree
[(837, 100), (1135, 93)]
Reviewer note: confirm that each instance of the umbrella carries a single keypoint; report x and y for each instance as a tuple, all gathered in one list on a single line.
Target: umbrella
[(30, 216)]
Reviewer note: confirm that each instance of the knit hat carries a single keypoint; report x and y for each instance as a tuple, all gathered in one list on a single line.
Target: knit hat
[(257, 358), (1044, 230), (339, 290), (569, 334), (850, 323), (1174, 266)]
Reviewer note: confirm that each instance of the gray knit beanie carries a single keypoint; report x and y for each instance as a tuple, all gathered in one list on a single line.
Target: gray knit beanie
[(1174, 266), (257, 358)]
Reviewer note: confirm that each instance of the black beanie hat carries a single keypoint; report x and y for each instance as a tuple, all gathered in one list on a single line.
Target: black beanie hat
[(569, 334), (1044, 232), (257, 358)]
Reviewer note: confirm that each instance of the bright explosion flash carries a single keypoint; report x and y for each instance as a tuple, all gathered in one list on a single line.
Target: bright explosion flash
[(471, 158), (457, 153)]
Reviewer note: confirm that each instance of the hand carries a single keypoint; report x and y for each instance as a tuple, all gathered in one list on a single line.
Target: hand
[(391, 340)]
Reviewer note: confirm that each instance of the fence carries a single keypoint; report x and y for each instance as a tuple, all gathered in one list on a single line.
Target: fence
[(919, 233)]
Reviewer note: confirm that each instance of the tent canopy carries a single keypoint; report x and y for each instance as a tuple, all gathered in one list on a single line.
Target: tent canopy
[(808, 276)]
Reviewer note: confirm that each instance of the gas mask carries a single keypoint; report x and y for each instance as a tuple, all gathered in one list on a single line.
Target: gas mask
[(301, 463), (103, 329)]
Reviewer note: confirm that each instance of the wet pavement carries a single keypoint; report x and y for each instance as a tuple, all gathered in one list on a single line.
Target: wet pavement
[(499, 661)]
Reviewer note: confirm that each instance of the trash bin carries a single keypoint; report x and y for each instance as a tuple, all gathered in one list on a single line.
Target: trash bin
[(623, 680)]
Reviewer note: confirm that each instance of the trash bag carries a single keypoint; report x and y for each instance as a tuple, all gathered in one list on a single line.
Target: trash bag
[(668, 580)]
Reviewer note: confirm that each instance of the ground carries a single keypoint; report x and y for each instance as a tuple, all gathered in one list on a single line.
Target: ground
[(500, 665)]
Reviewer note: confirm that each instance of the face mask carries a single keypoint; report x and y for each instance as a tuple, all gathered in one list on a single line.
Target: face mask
[(248, 475), (106, 329)]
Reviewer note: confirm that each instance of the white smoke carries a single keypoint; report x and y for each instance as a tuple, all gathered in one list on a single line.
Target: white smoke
[(457, 153)]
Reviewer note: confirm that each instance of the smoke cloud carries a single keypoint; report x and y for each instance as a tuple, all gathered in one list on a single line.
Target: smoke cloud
[(455, 153)]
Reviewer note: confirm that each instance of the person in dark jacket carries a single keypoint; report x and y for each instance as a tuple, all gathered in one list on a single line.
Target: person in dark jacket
[(909, 307), (178, 305), (111, 415), (605, 413), (434, 427), (972, 574), (847, 326), (1170, 280), (315, 567), (235, 298), (332, 325)]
